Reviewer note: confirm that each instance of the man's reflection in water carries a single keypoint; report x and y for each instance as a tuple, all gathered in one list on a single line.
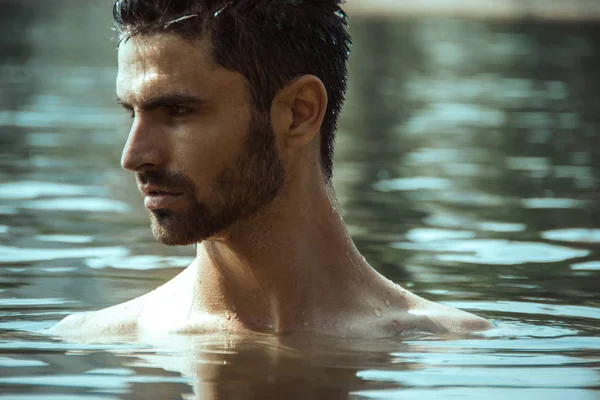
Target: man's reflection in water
[(261, 367)]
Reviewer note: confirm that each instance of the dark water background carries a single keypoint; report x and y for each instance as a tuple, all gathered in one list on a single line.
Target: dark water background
[(467, 166)]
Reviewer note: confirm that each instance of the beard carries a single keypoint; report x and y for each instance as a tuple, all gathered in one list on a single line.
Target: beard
[(238, 192)]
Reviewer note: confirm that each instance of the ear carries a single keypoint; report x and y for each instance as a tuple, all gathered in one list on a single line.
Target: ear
[(298, 110)]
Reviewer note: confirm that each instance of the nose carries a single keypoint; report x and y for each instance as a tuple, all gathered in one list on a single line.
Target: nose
[(143, 149)]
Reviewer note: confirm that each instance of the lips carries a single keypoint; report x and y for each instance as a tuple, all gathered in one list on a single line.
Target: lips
[(157, 198), (156, 192)]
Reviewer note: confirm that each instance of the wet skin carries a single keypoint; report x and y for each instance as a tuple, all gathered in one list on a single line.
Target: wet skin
[(273, 253)]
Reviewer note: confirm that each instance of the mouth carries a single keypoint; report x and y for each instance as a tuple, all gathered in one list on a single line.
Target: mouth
[(157, 192), (156, 199), (153, 190)]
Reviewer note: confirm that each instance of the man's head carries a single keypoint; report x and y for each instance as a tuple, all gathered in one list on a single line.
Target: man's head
[(269, 42), (212, 95)]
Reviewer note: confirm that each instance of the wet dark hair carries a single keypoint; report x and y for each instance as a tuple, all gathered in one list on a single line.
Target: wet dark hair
[(270, 42)]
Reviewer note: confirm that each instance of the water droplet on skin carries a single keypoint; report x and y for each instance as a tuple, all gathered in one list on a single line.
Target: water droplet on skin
[(388, 303), (305, 323), (377, 312), (228, 315)]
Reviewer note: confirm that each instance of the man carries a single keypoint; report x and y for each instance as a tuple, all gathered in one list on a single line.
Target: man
[(234, 107)]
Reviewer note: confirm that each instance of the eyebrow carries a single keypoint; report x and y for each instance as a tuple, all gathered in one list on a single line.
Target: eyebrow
[(168, 100)]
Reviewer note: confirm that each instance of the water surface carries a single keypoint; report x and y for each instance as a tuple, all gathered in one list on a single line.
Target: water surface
[(467, 167)]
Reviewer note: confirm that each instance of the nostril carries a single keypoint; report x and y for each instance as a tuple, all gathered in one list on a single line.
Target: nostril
[(144, 167)]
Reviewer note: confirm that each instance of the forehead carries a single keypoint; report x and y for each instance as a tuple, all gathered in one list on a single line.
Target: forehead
[(160, 63)]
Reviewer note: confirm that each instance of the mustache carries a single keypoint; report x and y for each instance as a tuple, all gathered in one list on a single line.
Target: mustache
[(167, 180)]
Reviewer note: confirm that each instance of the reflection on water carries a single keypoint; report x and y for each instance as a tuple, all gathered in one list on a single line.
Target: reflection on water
[(467, 167)]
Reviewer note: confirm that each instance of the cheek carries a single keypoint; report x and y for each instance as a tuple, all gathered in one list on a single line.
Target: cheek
[(203, 150)]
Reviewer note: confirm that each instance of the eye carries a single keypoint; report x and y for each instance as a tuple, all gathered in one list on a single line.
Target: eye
[(178, 111)]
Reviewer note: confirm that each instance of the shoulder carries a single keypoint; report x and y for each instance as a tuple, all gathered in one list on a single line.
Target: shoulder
[(71, 323), (425, 315), (119, 319), (449, 319)]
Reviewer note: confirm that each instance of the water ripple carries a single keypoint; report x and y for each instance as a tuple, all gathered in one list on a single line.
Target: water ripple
[(20, 254), (552, 203), (530, 308), (414, 183), (430, 234), (583, 235), (138, 262), (12, 363), (495, 251), (32, 302), (32, 189), (65, 238), (586, 266), (496, 393), (553, 377), (90, 204)]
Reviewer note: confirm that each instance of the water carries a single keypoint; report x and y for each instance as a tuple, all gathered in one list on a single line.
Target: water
[(467, 167)]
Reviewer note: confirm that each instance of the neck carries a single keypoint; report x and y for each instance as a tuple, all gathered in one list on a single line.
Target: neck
[(291, 266)]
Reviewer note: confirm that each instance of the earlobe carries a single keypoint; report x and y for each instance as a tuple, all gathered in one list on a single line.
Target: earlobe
[(303, 103)]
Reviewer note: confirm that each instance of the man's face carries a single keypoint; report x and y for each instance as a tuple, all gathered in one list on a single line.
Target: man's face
[(203, 158)]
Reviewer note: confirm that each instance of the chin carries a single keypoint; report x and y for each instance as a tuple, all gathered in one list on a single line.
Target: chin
[(173, 231), (171, 238)]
